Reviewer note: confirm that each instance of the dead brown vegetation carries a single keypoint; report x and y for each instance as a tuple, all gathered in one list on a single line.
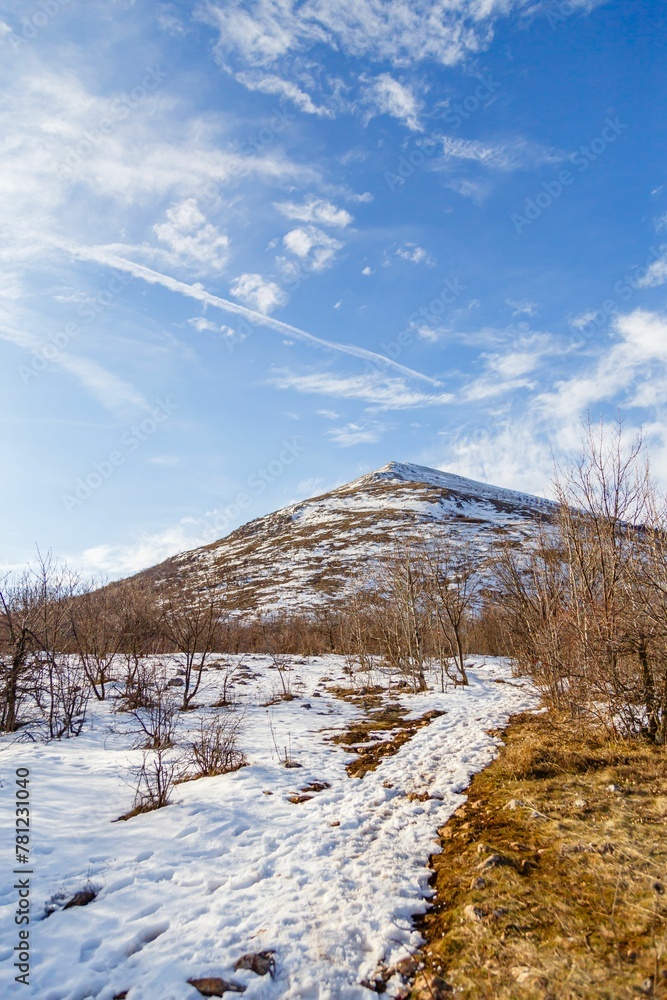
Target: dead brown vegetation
[(550, 883)]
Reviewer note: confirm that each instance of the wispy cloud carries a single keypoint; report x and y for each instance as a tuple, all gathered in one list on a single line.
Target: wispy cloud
[(114, 393), (351, 434), (656, 273), (521, 307), (511, 154), (270, 83), (262, 32), (383, 392), (387, 96)]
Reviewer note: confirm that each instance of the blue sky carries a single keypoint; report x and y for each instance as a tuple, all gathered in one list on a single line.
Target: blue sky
[(253, 249)]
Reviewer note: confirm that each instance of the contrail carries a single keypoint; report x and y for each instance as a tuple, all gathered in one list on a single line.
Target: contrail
[(102, 255)]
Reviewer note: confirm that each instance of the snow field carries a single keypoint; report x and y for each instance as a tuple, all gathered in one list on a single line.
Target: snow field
[(227, 869)]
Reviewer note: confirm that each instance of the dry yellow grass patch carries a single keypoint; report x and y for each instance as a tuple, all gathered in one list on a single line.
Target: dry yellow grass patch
[(551, 882)]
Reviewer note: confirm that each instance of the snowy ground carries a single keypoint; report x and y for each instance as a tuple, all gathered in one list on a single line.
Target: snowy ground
[(228, 868)]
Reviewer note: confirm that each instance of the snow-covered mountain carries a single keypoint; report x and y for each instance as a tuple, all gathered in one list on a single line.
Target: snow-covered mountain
[(313, 552)]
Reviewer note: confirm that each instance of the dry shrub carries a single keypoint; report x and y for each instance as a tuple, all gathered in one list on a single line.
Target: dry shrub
[(215, 748), (156, 777)]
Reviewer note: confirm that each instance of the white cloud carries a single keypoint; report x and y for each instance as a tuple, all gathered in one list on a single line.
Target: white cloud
[(521, 307), (167, 20), (377, 389), (402, 32), (309, 487), (203, 325), (581, 321), (514, 454), (366, 271), (193, 241), (389, 97), (144, 551), (312, 245), (656, 273), (415, 254), (512, 154), (315, 210), (258, 293), (506, 371), (632, 372), (428, 333), (269, 83), (351, 434)]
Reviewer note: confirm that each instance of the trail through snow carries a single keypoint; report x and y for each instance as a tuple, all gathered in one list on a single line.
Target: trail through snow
[(330, 884)]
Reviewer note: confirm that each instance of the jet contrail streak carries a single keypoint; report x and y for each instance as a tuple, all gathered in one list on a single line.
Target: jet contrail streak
[(103, 255)]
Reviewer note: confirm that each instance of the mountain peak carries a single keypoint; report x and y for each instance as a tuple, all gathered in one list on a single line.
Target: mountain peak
[(423, 475), (314, 553)]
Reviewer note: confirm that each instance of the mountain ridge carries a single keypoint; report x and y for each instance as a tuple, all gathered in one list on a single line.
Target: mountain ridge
[(315, 552)]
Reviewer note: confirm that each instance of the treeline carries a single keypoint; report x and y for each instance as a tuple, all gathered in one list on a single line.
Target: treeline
[(65, 641)]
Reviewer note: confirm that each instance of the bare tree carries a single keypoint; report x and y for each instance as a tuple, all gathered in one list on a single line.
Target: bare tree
[(34, 635), (399, 616), (96, 623), (452, 583), (191, 623), (139, 618), (588, 609), (19, 617)]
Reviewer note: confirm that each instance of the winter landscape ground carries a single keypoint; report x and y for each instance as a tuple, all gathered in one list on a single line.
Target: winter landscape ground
[(329, 884)]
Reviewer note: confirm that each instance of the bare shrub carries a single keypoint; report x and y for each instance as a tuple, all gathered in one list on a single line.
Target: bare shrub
[(284, 668), (215, 747), (230, 672), (68, 696), (155, 777), (155, 721)]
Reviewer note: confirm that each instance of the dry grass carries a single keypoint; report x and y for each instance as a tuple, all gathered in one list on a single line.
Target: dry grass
[(550, 881)]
